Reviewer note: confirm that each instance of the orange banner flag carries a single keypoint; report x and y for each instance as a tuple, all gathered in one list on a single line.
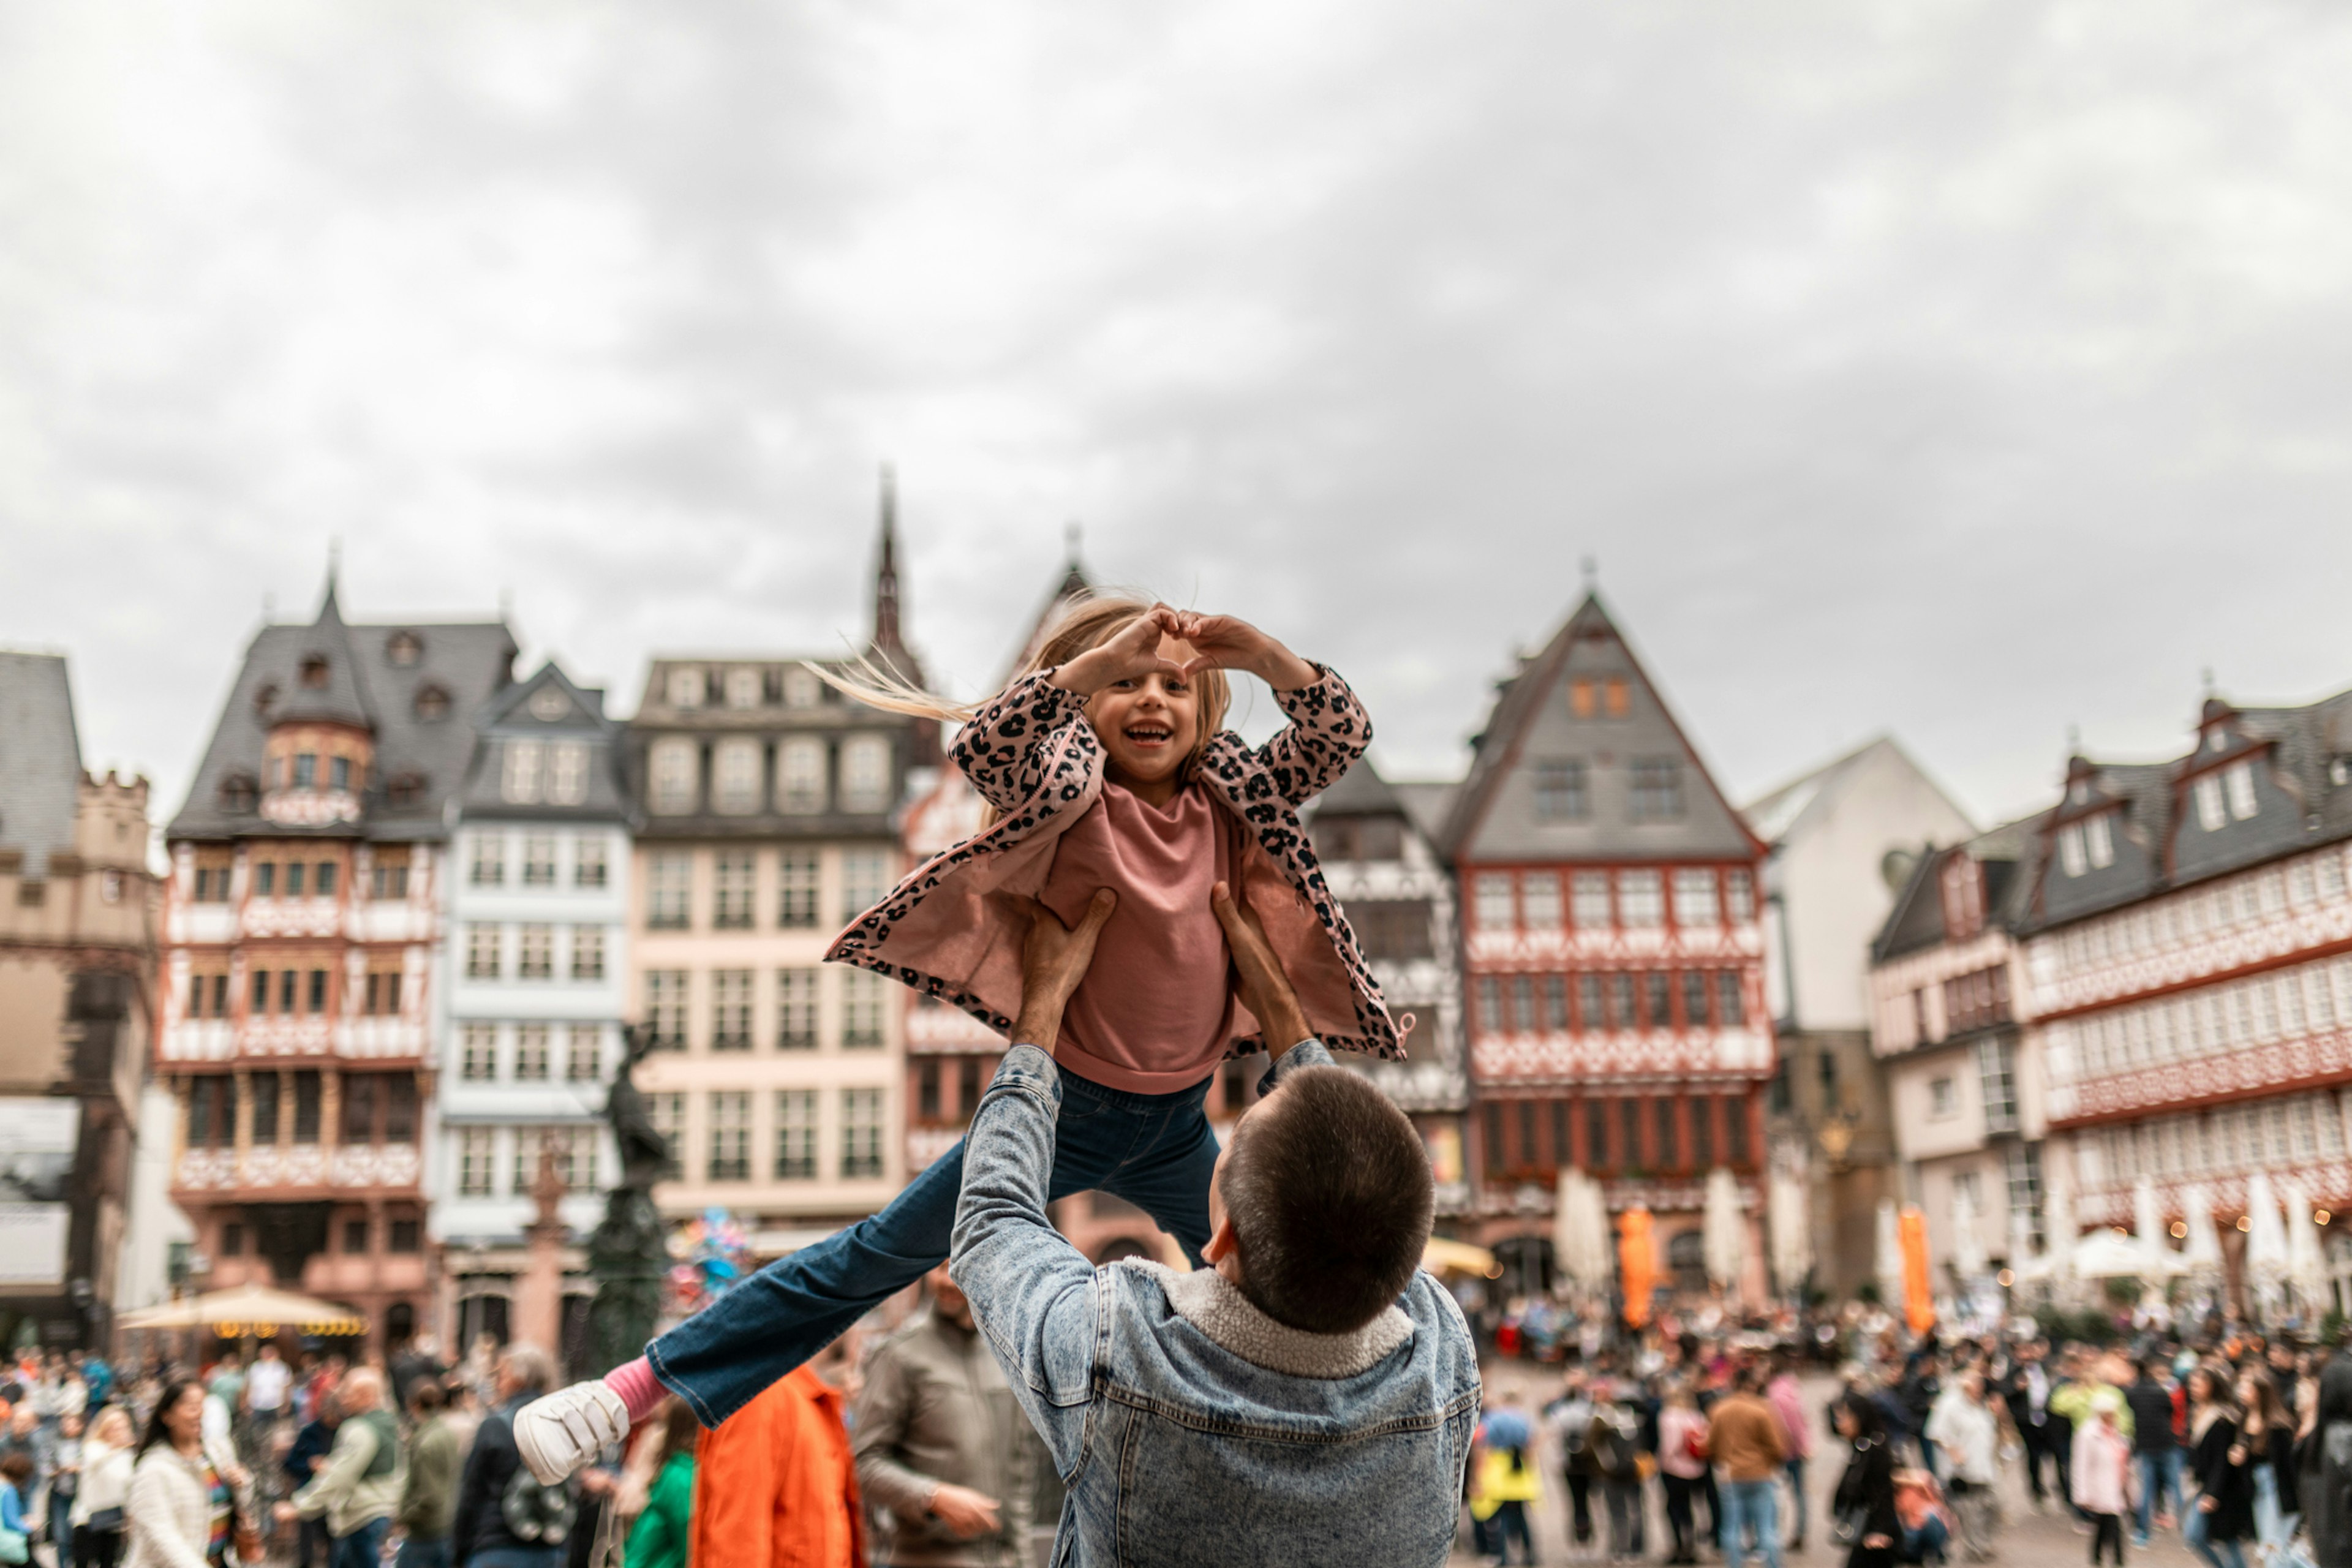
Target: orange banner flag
[(1919, 1292), (1637, 1262)]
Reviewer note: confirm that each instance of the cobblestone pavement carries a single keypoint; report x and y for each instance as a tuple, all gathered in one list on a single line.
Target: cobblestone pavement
[(2028, 1537)]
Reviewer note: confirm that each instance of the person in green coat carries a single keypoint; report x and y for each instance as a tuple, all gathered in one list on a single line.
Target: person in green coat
[(658, 1540)]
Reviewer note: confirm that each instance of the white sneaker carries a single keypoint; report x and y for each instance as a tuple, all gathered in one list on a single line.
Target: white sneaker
[(558, 1433)]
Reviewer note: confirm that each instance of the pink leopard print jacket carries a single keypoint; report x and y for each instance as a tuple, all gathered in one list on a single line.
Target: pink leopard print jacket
[(1032, 754)]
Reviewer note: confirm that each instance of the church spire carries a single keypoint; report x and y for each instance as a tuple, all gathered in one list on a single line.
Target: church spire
[(888, 638)]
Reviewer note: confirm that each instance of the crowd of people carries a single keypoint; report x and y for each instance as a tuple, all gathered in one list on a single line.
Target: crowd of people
[(2220, 1438)]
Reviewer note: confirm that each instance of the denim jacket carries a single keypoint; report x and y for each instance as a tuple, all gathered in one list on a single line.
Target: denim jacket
[(1190, 1426)]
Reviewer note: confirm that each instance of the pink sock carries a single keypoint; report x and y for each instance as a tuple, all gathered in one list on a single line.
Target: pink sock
[(639, 1389)]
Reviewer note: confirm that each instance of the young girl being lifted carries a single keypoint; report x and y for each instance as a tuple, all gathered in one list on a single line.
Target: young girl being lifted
[(1105, 765)]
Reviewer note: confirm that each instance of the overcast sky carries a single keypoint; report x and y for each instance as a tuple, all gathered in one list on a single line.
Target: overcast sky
[(1963, 371)]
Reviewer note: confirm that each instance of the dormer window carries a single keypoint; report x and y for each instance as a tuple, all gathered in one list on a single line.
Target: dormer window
[(800, 687), (2207, 793), (520, 784), (404, 789), (338, 774), (567, 772), (2238, 784), (432, 703), (2099, 840), (239, 793), (1963, 893), (744, 686), (314, 671), (267, 698), (403, 649), (306, 770), (686, 687), (548, 704)]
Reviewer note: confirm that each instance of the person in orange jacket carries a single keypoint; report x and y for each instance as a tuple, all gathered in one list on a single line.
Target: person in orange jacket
[(776, 1485)]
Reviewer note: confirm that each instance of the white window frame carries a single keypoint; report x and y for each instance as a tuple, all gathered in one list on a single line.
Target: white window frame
[(1496, 901), (587, 952), (863, 1025), (671, 776), (2238, 785), (865, 880), (2072, 856), (801, 783), (538, 867), (567, 772), (535, 952), (485, 950), (534, 1053), (862, 1131), (477, 1053), (798, 1156), (865, 774), (590, 866), (1698, 901), (2099, 840), (735, 777), (669, 892), (1641, 899), (487, 866), (745, 688), (686, 687), (519, 781), (2211, 811), (1590, 904), (477, 1155), (1539, 900), (584, 1053)]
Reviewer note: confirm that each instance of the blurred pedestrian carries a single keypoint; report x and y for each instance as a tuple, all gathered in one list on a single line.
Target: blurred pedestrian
[(1743, 1435), (96, 1521), (661, 1536), (428, 1499), (2102, 1465)]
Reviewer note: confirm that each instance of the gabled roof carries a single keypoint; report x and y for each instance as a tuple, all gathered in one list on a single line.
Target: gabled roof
[(2006, 854), (1361, 791), (1072, 584), (40, 759), (461, 663), (1494, 817), (1784, 813), (325, 655), (520, 711)]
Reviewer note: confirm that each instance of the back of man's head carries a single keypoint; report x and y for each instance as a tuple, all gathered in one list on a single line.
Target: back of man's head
[(1330, 1194)]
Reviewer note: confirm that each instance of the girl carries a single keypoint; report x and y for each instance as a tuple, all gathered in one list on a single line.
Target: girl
[(1104, 767), (1865, 1493), (95, 1522), (2267, 1435), (659, 1537), (2224, 1511), (2102, 1474)]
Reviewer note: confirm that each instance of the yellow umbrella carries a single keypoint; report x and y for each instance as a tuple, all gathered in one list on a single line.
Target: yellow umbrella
[(1441, 1256), (253, 1309)]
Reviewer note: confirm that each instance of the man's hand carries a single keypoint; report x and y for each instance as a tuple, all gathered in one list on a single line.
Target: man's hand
[(1054, 959), (965, 1512), (1258, 976), (285, 1513)]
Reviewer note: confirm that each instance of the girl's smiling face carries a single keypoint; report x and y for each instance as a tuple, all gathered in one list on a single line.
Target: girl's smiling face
[(1148, 725)]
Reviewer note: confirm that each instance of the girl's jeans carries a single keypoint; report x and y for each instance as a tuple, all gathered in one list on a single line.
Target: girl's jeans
[(1153, 1150), (2215, 1554)]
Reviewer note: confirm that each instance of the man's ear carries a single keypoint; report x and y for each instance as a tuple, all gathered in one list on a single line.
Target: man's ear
[(1221, 1241)]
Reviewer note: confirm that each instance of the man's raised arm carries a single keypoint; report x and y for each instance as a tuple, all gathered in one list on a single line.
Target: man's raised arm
[(1032, 1294)]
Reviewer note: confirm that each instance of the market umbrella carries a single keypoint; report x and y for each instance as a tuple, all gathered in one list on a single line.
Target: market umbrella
[(253, 1309), (1580, 1232), (1637, 1262), (1888, 1262), (2109, 1255), (2200, 1258), (2059, 1237), (1792, 1237), (1918, 1291), (2266, 1258), (1968, 1246), (2306, 1266), (1724, 1230), (1440, 1255)]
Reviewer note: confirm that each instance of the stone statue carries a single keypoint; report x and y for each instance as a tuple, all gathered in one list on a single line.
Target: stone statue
[(627, 1253)]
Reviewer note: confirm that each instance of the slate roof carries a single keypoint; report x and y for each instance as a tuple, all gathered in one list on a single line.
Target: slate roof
[(512, 713), (1428, 802), (40, 759), (2007, 854), (1494, 817), (465, 661), (1783, 812), (1361, 791)]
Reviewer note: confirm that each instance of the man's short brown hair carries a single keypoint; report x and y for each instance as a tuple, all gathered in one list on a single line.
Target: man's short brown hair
[(1329, 1194)]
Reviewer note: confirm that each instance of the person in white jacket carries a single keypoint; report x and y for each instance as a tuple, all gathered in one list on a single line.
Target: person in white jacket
[(97, 1520), (180, 1487), (1963, 1425)]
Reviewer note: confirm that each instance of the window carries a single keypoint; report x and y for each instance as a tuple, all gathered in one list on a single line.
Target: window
[(518, 782), (666, 1007), (1616, 697), (388, 878), (539, 861), (2207, 792), (402, 648), (355, 1236), (339, 773), (1641, 898), (2238, 784), (212, 1112), (1942, 1101), (295, 877), (1621, 1000), (795, 1009), (482, 952), (1695, 999), (1555, 990), (532, 1053), (587, 952), (796, 1135), (432, 704), (1657, 789), (537, 958), (477, 1058), (489, 863), (1539, 900), (406, 1235), (265, 1107), (588, 861), (584, 1060), (1560, 791), (1492, 1018), (861, 1132), (730, 1010), (1738, 897), (1997, 1073), (567, 772), (1523, 1003), (1629, 1116), (801, 687), (730, 1135), (1735, 1119), (864, 880), (2070, 855), (571, 1153), (1590, 901), (1396, 930), (1669, 1143), (306, 1106), (1581, 699), (731, 904), (286, 981), (360, 1095), (2099, 840), (1596, 1135), (668, 891), (476, 1151), (673, 769), (1493, 901), (686, 687), (800, 776), (1695, 904), (306, 770), (265, 880), (927, 1090), (1702, 1123), (744, 686), (735, 786), (667, 1113), (322, 882), (861, 1008), (797, 890), (865, 774), (1730, 1000)]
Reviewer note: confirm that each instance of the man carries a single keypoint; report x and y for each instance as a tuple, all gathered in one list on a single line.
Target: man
[(2026, 1386), (2079, 1383), (1965, 1431), (943, 1451), (1567, 1417), (428, 1503), (27, 1435), (1744, 1438), (1306, 1398), (266, 1386), (1922, 1381), (505, 1519), (2155, 1450), (775, 1485), (358, 1485), (1787, 1398), (417, 1361), (313, 1441)]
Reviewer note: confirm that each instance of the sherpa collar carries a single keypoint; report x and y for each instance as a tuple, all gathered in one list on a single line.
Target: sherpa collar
[(1214, 1305)]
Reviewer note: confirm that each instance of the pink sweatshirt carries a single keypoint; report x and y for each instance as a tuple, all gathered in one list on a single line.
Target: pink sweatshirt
[(1788, 1402), (1155, 1010)]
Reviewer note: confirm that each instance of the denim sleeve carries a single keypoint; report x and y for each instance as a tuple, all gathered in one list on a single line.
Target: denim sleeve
[(1306, 1053), (1032, 1292)]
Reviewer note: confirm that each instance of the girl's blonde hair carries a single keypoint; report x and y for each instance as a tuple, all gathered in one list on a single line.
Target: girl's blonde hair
[(1087, 620)]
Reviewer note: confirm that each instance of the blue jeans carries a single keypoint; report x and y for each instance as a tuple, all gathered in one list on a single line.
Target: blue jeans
[(1750, 1505), (1156, 1151), (2215, 1554), (1796, 1468), (2159, 1477), (364, 1547), (417, 1552)]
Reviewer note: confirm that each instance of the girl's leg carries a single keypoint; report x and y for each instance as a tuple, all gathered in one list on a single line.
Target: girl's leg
[(1167, 1177)]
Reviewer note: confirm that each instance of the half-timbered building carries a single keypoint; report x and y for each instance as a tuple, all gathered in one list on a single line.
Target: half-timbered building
[(1612, 955)]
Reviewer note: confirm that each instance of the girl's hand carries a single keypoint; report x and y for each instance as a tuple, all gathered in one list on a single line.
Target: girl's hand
[(1131, 654), (1227, 642)]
